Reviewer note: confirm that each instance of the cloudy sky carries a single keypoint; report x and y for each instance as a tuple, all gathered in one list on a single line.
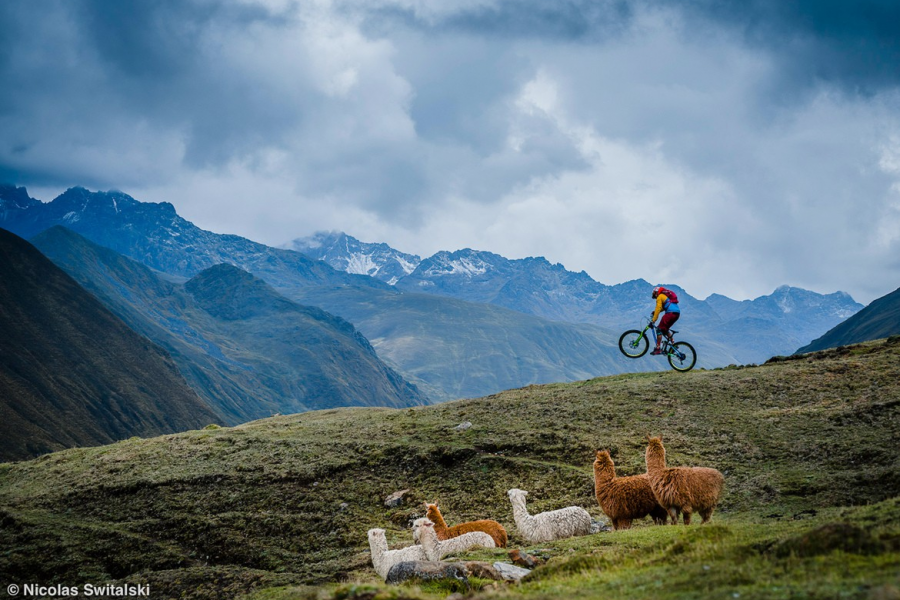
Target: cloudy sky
[(728, 147)]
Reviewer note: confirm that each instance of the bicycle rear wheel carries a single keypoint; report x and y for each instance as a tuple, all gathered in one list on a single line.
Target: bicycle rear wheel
[(682, 357), (633, 343)]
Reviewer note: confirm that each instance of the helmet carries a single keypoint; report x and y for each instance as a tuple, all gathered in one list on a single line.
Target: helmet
[(657, 291)]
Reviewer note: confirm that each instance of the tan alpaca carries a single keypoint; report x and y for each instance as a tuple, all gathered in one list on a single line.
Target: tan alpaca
[(624, 499), (492, 528), (682, 489)]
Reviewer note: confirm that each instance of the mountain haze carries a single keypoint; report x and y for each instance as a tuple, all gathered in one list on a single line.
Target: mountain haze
[(71, 372), (246, 349), (457, 349)]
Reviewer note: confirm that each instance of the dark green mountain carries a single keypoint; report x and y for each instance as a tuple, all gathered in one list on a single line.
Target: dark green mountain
[(244, 348), (879, 319), (71, 372)]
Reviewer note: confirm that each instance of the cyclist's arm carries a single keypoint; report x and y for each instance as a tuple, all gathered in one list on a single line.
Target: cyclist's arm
[(660, 301)]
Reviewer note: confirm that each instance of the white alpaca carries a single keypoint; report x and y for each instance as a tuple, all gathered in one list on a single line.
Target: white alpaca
[(551, 525), (423, 531), (383, 559)]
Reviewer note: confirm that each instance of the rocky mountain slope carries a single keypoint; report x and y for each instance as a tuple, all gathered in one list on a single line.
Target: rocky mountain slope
[(154, 235), (71, 372), (247, 350), (811, 505), (346, 253), (879, 319)]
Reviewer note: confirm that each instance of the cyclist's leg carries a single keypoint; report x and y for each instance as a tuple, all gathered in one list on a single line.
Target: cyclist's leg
[(669, 323), (665, 324)]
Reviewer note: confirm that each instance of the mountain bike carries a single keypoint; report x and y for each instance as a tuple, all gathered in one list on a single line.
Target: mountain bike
[(634, 344)]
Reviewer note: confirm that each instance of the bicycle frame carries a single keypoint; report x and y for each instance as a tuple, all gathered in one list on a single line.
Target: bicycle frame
[(668, 345)]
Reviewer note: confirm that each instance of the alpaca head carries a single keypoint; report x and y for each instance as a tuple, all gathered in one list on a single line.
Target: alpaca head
[(603, 459), (377, 539), (417, 524), (655, 448), (516, 494), (431, 510)]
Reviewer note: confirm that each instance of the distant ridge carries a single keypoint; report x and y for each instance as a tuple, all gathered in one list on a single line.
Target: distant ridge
[(71, 372), (880, 319), (757, 329)]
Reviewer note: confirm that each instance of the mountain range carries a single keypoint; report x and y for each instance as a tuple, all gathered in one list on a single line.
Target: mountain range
[(71, 372), (247, 350), (464, 323), (756, 329)]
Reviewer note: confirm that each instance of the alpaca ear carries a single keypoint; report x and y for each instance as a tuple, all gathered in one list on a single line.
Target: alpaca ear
[(660, 438), (647, 438)]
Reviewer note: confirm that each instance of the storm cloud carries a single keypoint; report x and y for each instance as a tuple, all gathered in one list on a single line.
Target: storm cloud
[(727, 147)]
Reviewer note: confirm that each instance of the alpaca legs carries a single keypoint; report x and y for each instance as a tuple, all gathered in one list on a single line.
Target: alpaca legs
[(706, 515), (687, 514), (622, 524), (673, 514), (659, 515)]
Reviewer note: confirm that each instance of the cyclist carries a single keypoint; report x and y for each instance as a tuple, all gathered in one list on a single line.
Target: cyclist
[(667, 302)]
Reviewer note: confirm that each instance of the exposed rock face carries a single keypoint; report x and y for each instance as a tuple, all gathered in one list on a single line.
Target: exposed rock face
[(396, 499), (510, 572), (427, 570)]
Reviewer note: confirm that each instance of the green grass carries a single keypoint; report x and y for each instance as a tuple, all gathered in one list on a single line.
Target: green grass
[(279, 508)]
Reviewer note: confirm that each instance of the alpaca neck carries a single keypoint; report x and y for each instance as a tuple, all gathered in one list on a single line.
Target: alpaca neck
[(655, 459), (520, 513), (603, 474), (428, 539), (378, 546), (437, 518)]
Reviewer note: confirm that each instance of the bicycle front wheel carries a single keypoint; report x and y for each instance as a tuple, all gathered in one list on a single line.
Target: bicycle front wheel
[(633, 343), (682, 356)]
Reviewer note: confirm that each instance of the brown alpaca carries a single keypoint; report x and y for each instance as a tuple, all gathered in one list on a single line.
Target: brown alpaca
[(624, 499), (492, 528), (682, 489)]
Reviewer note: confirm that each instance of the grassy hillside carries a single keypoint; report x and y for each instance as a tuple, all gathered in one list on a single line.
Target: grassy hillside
[(279, 508)]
